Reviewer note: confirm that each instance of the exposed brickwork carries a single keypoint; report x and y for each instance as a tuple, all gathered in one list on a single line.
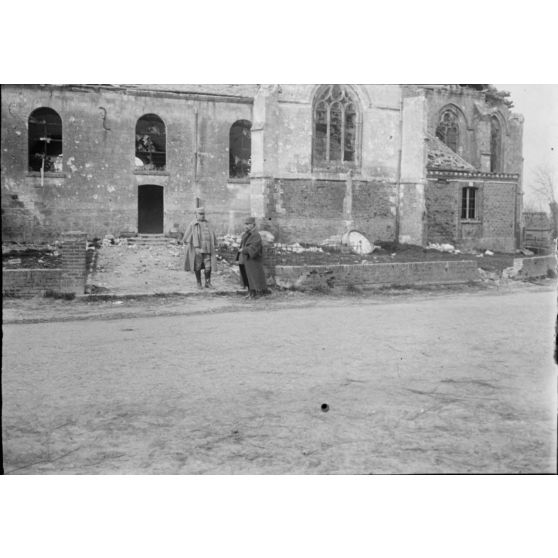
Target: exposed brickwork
[(441, 212), (498, 215), (311, 210), (369, 275), (70, 278), (73, 248), (494, 227), (374, 210), (30, 282)]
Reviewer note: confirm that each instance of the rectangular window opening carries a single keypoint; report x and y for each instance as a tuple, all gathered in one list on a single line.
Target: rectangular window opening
[(469, 204)]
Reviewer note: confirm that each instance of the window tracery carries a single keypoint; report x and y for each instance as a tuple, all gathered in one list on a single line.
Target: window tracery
[(335, 126), (448, 129)]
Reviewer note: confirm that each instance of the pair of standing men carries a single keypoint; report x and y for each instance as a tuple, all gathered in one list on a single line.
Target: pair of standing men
[(201, 243)]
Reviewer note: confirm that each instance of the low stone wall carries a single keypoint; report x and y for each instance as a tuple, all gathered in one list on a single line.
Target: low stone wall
[(538, 266), (70, 278), (30, 282), (373, 275)]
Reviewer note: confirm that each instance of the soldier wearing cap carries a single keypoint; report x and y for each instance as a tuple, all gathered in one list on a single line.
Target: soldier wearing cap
[(250, 260), (200, 243)]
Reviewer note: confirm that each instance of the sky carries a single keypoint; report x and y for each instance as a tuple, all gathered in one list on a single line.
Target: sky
[(539, 106)]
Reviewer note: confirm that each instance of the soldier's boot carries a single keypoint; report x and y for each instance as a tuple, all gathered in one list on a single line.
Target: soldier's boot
[(198, 279), (208, 284)]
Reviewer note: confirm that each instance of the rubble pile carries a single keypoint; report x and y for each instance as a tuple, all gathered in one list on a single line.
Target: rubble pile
[(122, 265), (31, 256)]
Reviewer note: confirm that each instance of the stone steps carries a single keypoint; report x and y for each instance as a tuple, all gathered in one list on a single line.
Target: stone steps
[(151, 240)]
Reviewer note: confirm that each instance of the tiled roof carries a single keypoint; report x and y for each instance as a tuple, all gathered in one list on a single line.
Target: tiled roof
[(441, 157)]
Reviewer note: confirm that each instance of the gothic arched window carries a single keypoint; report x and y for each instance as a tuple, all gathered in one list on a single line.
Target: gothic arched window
[(240, 149), (45, 141), (448, 129), (335, 126), (151, 143), (495, 145)]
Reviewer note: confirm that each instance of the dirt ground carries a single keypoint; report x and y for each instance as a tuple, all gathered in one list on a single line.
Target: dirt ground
[(454, 381)]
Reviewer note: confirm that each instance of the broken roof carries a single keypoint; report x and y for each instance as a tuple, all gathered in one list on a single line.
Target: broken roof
[(441, 157)]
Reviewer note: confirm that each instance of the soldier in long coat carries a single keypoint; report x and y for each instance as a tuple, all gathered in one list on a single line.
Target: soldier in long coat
[(200, 242), (250, 260)]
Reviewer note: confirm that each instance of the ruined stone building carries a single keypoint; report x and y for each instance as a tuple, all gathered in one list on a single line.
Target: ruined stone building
[(419, 164)]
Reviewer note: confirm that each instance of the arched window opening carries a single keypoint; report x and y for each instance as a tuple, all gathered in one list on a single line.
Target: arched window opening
[(448, 129), (240, 149), (335, 126), (151, 143), (45, 141), (495, 145)]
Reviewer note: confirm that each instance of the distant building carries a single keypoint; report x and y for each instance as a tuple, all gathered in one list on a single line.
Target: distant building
[(416, 164)]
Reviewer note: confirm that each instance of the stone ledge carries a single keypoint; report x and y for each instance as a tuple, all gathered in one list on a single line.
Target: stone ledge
[(370, 275)]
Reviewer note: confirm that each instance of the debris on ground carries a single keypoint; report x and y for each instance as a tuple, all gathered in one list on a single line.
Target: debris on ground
[(31, 256), (445, 247), (358, 243), (267, 237)]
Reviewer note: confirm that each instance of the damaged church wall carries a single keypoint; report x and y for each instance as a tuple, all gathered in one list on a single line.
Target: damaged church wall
[(382, 194), (493, 227), (97, 188), (474, 113), (442, 205), (495, 174), (299, 202), (498, 216)]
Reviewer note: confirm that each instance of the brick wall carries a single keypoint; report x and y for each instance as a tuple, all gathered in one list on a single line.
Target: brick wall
[(494, 227), (70, 278), (370, 275), (498, 216), (374, 210), (441, 212), (73, 248), (308, 210), (30, 282)]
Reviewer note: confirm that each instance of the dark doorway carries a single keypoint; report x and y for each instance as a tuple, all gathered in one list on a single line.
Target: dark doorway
[(150, 209)]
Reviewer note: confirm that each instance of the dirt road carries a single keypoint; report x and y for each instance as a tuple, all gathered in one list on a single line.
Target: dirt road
[(463, 383)]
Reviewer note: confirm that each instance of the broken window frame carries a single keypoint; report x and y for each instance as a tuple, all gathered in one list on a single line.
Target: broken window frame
[(239, 165), (448, 129), (469, 203), (335, 144), (44, 141), (150, 146)]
